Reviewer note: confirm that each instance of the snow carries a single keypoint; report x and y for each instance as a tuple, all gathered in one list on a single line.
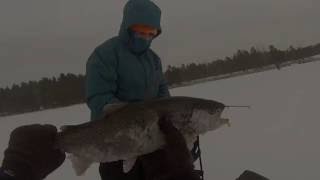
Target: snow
[(316, 56), (277, 137)]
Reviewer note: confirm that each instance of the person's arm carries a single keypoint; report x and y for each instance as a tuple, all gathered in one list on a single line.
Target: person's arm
[(31, 153), (101, 85), (163, 87)]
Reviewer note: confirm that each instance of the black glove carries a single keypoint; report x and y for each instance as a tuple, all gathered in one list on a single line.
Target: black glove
[(31, 153), (172, 162)]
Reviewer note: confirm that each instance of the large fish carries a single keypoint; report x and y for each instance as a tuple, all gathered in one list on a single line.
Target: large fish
[(130, 130)]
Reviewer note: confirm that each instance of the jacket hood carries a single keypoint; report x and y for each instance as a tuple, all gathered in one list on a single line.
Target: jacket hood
[(139, 12)]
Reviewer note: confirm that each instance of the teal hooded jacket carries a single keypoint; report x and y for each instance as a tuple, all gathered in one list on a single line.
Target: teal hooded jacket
[(115, 74)]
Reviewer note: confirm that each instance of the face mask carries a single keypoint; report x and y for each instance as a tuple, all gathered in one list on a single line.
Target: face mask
[(139, 45)]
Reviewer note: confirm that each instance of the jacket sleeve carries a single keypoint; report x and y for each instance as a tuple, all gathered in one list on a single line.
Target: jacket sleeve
[(101, 83), (163, 86)]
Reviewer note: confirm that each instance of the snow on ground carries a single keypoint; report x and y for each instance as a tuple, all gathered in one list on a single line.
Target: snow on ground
[(277, 137), (316, 56)]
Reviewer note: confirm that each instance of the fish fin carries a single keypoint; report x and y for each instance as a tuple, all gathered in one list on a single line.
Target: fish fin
[(109, 108), (225, 121), (79, 165), (128, 164)]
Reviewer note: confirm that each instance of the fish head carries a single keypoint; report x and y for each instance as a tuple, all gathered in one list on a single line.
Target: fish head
[(207, 115)]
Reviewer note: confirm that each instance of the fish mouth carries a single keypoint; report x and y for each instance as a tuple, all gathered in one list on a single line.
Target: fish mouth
[(227, 121), (224, 120), (217, 120)]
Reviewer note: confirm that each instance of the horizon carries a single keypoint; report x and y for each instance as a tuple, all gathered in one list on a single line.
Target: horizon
[(165, 68)]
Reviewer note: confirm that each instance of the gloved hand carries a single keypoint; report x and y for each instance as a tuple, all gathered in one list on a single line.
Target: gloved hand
[(31, 153), (172, 162)]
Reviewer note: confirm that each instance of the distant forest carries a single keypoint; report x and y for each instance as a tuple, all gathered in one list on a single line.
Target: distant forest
[(68, 89)]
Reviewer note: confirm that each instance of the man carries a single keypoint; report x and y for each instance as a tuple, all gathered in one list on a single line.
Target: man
[(31, 155), (125, 69)]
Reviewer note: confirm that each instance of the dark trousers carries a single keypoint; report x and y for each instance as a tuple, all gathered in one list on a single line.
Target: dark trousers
[(114, 171)]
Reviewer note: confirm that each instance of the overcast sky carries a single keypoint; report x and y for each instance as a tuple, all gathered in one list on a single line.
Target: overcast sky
[(42, 38)]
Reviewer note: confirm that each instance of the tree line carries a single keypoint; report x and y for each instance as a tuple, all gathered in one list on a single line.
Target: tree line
[(68, 89), (47, 93), (242, 60)]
